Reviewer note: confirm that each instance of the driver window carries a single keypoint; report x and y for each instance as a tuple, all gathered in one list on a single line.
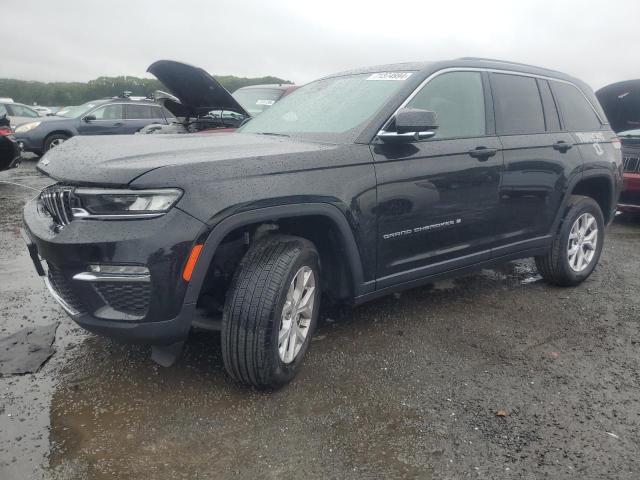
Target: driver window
[(108, 112), (458, 100)]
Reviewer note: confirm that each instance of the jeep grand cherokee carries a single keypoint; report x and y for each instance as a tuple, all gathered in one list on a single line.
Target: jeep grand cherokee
[(354, 186)]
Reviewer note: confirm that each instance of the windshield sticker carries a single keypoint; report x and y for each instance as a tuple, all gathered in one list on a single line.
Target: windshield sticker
[(265, 102), (390, 76)]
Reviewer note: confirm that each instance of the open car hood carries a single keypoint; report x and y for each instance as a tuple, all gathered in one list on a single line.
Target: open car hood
[(195, 90), (621, 103)]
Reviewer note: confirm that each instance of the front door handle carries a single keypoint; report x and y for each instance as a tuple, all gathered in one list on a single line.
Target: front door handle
[(119, 124), (483, 153), (562, 146)]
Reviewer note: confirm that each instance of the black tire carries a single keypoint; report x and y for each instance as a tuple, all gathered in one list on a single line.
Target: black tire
[(253, 310), (52, 139), (554, 266)]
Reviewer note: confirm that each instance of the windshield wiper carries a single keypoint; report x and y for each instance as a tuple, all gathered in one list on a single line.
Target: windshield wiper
[(273, 134)]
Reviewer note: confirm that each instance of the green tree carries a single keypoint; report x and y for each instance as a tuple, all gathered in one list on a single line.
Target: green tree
[(75, 93)]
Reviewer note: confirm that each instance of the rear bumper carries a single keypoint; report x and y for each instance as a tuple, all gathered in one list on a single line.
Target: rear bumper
[(630, 197), (149, 308)]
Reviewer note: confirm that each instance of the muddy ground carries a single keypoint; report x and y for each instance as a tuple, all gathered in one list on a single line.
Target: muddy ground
[(404, 387)]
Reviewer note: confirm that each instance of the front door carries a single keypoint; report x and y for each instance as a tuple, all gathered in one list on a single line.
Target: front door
[(109, 120), (438, 199)]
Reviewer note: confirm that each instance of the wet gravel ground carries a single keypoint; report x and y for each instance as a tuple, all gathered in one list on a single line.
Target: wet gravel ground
[(405, 387)]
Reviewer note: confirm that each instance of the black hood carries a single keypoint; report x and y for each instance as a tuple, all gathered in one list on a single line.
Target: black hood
[(90, 160), (621, 103), (197, 91)]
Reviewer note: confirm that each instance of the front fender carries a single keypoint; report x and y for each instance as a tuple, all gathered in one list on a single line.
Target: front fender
[(213, 237)]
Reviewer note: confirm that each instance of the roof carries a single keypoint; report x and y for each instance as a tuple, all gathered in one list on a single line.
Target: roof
[(470, 62)]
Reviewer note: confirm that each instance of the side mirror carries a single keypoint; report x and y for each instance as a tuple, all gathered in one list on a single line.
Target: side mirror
[(412, 125), (89, 118)]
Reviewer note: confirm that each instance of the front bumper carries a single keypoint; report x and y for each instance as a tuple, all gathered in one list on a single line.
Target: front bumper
[(145, 308), (630, 197), (32, 141)]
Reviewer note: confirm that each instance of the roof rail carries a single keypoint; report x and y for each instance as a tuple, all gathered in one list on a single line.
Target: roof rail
[(496, 60)]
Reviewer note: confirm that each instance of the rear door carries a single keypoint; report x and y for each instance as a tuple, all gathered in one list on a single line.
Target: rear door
[(538, 159), (592, 139), (438, 199), (138, 116), (108, 120)]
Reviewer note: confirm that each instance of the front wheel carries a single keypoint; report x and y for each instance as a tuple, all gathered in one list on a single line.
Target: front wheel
[(271, 311), (55, 140), (577, 245)]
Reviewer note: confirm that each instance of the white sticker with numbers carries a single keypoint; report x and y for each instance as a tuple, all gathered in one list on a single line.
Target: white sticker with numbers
[(389, 76)]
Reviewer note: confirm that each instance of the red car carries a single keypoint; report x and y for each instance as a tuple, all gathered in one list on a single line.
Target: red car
[(621, 103)]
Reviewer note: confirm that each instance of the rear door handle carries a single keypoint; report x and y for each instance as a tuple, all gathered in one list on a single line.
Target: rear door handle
[(562, 146), (119, 124), (483, 153)]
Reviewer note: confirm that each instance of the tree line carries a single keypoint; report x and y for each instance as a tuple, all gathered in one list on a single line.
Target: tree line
[(76, 93)]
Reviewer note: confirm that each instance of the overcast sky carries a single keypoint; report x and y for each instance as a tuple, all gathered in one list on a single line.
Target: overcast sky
[(298, 40)]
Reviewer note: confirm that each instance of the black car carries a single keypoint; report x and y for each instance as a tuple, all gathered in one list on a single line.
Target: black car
[(354, 186), (10, 152), (111, 116)]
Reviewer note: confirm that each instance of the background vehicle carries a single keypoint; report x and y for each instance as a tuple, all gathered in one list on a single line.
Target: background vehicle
[(17, 113), (621, 103), (197, 100), (257, 98), (43, 111), (354, 186), (112, 116), (10, 151)]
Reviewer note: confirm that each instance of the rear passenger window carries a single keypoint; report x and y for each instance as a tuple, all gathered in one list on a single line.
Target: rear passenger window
[(517, 104), (458, 100), (576, 111), (138, 112)]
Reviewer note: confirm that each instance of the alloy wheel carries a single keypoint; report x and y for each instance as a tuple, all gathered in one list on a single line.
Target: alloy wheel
[(296, 314), (583, 240)]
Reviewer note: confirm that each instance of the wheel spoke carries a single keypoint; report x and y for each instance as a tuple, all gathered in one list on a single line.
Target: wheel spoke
[(291, 348), (284, 333)]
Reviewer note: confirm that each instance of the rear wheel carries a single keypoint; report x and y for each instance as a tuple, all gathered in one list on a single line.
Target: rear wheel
[(577, 246), (52, 141), (271, 311)]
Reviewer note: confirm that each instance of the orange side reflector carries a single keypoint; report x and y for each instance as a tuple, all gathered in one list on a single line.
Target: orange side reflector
[(191, 262)]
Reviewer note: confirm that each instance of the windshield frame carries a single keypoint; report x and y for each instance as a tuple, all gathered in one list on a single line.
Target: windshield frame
[(365, 132)]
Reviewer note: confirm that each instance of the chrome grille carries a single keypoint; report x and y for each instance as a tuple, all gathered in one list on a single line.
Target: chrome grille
[(56, 200)]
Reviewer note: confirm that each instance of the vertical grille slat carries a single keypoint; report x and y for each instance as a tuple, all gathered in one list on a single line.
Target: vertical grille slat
[(56, 200), (631, 164)]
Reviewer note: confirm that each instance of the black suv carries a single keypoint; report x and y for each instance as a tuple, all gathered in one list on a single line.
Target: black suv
[(352, 187)]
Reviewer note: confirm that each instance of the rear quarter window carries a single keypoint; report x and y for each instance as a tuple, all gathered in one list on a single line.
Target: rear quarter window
[(577, 113), (518, 106)]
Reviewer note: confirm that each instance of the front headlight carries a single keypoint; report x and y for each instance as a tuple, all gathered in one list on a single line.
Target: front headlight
[(111, 203), (26, 127)]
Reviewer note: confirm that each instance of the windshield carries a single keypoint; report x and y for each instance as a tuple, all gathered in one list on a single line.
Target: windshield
[(334, 109), (255, 100), (76, 111)]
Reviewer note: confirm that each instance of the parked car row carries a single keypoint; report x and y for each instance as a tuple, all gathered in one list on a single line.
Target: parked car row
[(196, 103)]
